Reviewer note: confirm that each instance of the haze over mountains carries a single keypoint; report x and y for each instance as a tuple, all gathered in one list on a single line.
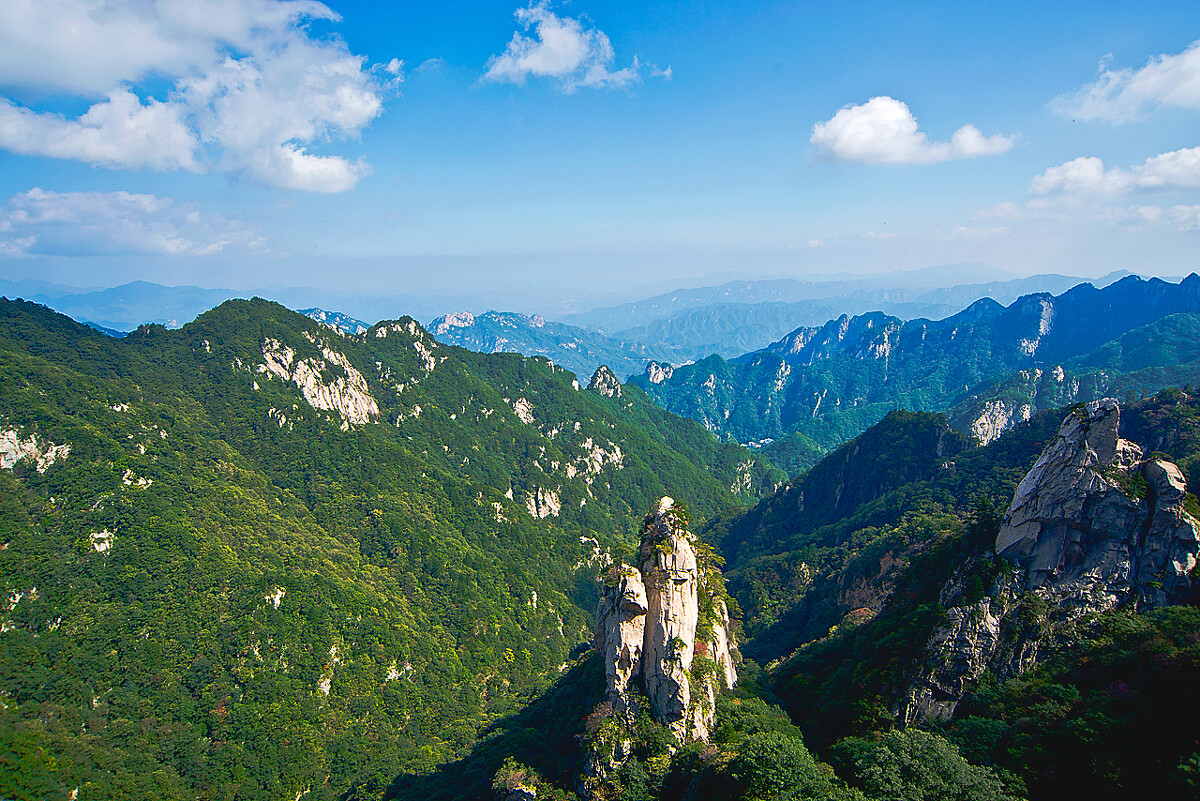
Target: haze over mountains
[(824, 384), (257, 557), (125, 307)]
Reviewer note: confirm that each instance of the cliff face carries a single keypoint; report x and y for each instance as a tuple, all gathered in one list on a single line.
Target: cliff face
[(1093, 525), (1080, 539), (662, 629)]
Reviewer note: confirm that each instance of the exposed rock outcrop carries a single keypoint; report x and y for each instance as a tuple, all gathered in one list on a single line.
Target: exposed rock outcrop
[(1090, 527), (462, 319), (967, 643), (605, 382), (996, 417), (669, 569), (657, 372), (322, 386), (620, 633), (14, 448), (1081, 539), (664, 629)]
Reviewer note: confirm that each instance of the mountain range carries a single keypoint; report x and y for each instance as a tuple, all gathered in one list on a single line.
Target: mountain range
[(930, 292), (685, 325), (820, 385), (273, 555), (253, 557)]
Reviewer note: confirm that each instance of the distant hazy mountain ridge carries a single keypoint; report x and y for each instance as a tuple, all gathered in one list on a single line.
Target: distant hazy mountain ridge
[(576, 349), (933, 292), (832, 381)]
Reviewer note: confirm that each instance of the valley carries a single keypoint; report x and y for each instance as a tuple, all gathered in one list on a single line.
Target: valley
[(599, 401), (268, 554)]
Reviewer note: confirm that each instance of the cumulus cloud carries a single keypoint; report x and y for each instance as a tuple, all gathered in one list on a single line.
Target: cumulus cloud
[(118, 132), (120, 223), (251, 90), (563, 50), (884, 131), (1084, 192), (1087, 175), (1123, 94)]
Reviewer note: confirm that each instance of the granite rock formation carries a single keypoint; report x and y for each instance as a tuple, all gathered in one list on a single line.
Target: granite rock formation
[(1093, 525), (605, 382), (1081, 539), (663, 630)]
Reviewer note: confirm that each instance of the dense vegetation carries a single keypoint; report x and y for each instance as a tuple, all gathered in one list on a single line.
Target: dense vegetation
[(232, 588), (844, 594), (832, 382), (838, 575), (225, 591)]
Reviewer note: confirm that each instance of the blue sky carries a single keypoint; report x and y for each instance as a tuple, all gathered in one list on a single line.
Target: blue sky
[(548, 150)]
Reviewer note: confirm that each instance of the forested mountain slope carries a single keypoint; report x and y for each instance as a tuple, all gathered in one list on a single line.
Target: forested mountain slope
[(872, 587), (254, 558), (828, 383)]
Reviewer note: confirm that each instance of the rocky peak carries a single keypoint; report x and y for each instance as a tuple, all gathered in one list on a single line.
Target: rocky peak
[(462, 319), (1091, 526), (337, 321), (663, 629), (605, 382), (657, 372), (1077, 534)]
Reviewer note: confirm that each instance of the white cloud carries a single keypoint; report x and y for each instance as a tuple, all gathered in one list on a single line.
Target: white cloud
[(1179, 217), (251, 90), (562, 49), (1082, 194), (78, 223), (118, 132), (1178, 169), (884, 131), (1122, 95), (87, 47)]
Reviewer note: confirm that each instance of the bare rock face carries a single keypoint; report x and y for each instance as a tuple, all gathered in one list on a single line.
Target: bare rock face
[(657, 372), (1168, 550), (620, 631), (347, 394), (961, 649), (957, 652), (14, 448), (669, 567), (1090, 527), (996, 417), (665, 626), (605, 382), (1080, 538)]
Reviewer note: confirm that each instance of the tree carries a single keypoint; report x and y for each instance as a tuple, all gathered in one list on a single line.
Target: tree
[(915, 765)]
